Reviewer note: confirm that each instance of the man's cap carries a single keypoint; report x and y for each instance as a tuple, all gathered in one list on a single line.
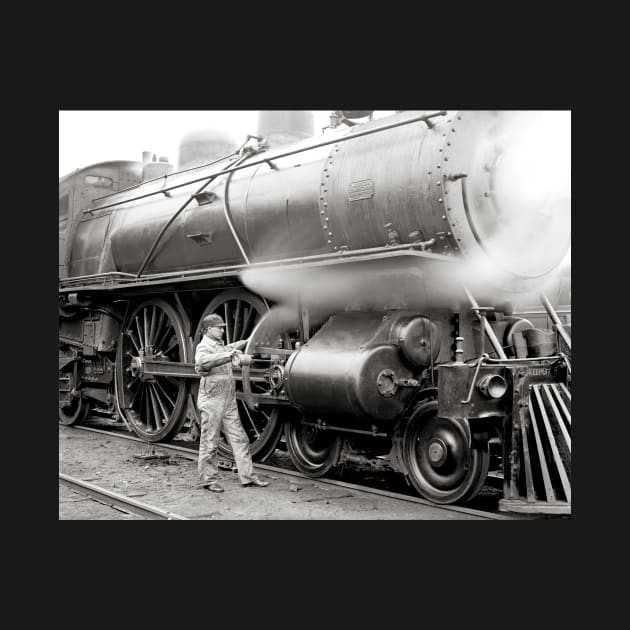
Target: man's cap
[(212, 320)]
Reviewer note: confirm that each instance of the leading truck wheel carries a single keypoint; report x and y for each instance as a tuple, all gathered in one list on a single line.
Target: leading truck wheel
[(242, 313), (154, 406), (313, 451), (441, 465)]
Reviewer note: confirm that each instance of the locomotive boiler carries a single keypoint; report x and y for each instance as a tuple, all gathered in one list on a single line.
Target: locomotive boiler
[(373, 272)]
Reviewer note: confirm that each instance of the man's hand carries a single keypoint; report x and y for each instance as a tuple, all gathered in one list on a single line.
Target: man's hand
[(237, 345)]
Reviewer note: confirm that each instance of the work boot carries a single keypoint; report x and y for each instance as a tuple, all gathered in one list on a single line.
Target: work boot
[(213, 487), (256, 482)]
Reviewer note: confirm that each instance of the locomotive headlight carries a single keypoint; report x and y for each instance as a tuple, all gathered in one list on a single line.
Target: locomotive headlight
[(492, 386)]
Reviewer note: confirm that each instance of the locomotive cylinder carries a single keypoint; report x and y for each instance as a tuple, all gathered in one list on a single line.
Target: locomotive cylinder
[(356, 367)]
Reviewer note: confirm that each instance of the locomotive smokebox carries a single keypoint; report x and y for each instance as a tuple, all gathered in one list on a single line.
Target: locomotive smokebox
[(204, 145), (362, 366), (285, 127)]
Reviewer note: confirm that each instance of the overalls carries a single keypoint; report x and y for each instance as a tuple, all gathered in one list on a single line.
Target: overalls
[(217, 405)]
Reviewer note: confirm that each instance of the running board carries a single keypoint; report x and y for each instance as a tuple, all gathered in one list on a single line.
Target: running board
[(538, 472)]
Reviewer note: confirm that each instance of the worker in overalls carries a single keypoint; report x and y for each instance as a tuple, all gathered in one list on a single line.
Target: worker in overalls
[(217, 406)]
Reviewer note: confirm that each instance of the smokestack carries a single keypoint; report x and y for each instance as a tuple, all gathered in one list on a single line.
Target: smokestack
[(146, 157), (285, 127)]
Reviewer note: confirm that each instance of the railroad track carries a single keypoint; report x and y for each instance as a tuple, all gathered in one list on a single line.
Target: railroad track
[(119, 501), (192, 454)]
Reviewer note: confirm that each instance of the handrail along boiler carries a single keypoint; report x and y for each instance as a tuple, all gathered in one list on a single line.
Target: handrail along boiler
[(339, 258)]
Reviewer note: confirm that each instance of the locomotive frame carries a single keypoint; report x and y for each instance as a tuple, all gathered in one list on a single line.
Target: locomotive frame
[(437, 399)]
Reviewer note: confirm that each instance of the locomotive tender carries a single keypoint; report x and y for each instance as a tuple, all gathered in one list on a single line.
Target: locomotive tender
[(339, 258)]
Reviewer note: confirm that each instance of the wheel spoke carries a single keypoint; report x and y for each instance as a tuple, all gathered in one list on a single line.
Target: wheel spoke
[(133, 340), (145, 318), (135, 394), (237, 319), (165, 412), (226, 312), (250, 322), (140, 336), (170, 400), (152, 326), (159, 335), (170, 348), (256, 431), (154, 404), (166, 337)]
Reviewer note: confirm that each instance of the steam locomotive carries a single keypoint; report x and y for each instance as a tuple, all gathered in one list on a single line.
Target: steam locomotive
[(374, 272)]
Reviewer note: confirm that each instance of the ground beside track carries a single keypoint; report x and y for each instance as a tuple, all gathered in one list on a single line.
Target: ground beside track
[(169, 484)]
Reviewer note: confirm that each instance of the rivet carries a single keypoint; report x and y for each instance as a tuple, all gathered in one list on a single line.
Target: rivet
[(448, 144), (329, 241), (440, 200), (448, 234), (325, 204), (438, 183), (439, 166), (325, 189), (321, 212), (444, 217), (453, 129), (445, 159), (329, 233), (429, 173)]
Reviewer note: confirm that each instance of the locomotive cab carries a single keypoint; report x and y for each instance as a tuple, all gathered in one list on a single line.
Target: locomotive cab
[(77, 191)]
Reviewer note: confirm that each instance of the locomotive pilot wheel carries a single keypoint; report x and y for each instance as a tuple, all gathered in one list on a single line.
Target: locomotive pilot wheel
[(75, 413), (242, 312), (440, 464), (154, 406), (313, 451)]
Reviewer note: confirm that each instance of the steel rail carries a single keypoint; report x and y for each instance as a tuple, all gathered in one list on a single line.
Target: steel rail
[(113, 499), (193, 455)]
